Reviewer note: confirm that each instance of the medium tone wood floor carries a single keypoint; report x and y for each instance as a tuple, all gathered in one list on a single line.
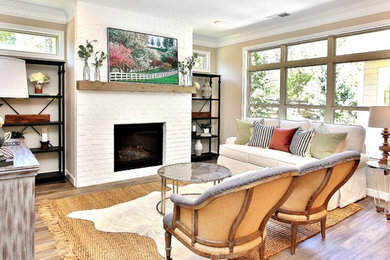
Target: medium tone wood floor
[(365, 235)]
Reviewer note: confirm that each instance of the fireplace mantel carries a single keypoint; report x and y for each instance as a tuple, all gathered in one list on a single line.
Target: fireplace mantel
[(132, 87)]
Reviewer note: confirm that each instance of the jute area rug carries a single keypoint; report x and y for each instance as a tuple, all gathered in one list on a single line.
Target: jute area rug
[(80, 239)]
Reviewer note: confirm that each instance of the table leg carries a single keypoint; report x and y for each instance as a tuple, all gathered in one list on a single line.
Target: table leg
[(163, 195), (386, 204)]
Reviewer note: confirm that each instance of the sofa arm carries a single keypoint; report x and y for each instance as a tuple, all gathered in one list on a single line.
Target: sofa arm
[(231, 140)]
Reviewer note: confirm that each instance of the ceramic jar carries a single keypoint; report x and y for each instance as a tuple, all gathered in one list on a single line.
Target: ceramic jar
[(198, 147)]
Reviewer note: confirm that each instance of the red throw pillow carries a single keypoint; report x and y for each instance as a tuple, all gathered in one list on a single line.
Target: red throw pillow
[(281, 139)]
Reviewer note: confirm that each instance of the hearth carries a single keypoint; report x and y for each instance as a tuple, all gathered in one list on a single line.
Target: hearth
[(137, 146)]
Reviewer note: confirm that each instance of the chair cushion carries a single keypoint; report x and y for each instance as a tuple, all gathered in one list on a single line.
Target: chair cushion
[(281, 139), (261, 135)]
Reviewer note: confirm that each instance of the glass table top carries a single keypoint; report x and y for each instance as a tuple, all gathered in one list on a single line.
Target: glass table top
[(194, 172), (377, 165)]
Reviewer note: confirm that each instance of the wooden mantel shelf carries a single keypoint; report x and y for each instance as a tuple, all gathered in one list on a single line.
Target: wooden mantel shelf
[(132, 87)]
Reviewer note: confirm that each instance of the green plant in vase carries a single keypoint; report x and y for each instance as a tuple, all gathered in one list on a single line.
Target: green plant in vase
[(85, 52), (99, 58)]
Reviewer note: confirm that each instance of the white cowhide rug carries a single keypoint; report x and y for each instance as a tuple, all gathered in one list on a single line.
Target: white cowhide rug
[(140, 216)]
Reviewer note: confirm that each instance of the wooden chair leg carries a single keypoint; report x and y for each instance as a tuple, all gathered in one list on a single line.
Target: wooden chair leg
[(168, 240), (323, 224), (294, 231), (261, 251)]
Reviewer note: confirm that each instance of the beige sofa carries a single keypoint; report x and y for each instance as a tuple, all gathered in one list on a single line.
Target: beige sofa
[(242, 158)]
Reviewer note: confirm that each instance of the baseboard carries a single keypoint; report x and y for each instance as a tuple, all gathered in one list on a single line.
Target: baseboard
[(382, 195), (70, 177)]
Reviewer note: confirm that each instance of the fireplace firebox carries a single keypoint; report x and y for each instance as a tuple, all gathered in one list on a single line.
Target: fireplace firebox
[(137, 146)]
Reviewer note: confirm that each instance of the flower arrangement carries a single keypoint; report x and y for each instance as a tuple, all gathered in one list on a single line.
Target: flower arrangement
[(39, 78)]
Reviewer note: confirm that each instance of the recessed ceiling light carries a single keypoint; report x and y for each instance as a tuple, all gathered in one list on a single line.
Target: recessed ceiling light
[(284, 14)]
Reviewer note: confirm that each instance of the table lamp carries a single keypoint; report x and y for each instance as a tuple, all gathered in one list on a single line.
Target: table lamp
[(380, 118), (13, 84)]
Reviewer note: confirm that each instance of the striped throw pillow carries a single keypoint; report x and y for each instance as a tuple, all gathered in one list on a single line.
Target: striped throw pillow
[(300, 143), (261, 135)]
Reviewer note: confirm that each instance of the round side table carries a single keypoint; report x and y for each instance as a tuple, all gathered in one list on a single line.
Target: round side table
[(195, 172), (382, 202)]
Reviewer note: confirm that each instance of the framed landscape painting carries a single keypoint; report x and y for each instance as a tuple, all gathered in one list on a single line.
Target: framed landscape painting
[(143, 58)]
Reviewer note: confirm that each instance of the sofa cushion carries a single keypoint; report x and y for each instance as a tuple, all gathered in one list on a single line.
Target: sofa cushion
[(304, 124), (262, 157), (325, 144), (355, 138), (300, 143), (281, 139), (243, 132), (261, 135)]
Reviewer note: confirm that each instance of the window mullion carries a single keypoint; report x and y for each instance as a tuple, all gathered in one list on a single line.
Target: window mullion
[(283, 82), (330, 81)]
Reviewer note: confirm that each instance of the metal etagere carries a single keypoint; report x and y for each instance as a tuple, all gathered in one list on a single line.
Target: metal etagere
[(58, 175), (209, 105)]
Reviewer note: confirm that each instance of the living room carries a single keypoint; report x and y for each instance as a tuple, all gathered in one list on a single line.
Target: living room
[(321, 68)]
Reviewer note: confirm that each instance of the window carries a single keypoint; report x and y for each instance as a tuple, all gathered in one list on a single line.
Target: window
[(202, 62), (307, 50), (265, 56), (365, 42), (31, 42), (292, 80)]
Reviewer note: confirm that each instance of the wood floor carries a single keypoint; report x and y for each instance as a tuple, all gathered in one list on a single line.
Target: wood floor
[(365, 235)]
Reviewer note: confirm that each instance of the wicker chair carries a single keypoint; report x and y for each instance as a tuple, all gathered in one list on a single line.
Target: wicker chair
[(317, 182), (228, 220)]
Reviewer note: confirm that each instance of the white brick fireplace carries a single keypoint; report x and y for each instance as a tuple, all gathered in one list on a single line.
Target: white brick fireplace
[(91, 115), (99, 111)]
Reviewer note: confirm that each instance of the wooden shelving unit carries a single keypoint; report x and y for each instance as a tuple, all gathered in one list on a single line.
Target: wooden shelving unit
[(208, 105)]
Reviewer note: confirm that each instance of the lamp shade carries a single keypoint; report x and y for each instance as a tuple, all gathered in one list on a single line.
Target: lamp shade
[(379, 117), (13, 78)]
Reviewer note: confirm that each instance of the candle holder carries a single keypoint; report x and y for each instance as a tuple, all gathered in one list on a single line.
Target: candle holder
[(45, 145)]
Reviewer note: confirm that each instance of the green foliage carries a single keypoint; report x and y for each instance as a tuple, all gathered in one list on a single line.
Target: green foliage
[(99, 58), (296, 85), (86, 51), (8, 38)]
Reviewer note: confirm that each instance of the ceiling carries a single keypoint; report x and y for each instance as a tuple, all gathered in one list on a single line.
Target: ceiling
[(238, 18)]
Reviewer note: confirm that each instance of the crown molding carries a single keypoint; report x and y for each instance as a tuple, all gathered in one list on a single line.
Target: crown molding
[(31, 11), (204, 40), (331, 14)]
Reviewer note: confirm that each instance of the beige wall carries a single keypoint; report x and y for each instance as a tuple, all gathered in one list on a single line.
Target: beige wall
[(213, 57), (230, 64), (31, 22)]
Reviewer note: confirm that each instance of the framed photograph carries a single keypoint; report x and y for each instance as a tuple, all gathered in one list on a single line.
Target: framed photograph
[(143, 58)]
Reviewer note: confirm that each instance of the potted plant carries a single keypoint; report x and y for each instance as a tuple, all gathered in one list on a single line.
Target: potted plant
[(206, 128), (99, 58), (39, 79)]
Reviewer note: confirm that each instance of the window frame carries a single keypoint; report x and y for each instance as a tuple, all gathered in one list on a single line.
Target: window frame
[(59, 35), (330, 61)]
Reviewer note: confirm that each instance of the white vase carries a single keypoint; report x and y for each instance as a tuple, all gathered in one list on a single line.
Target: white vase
[(198, 147)]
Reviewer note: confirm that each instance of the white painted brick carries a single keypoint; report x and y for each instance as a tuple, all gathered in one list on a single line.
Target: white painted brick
[(97, 112)]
